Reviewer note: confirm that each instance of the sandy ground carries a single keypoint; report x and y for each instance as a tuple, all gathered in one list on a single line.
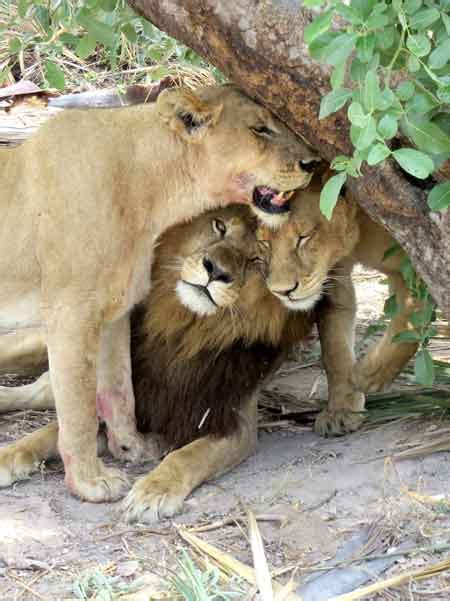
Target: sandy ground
[(321, 492)]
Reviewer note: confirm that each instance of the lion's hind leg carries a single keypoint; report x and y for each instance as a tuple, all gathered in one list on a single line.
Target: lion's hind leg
[(161, 493), (22, 458), (37, 395)]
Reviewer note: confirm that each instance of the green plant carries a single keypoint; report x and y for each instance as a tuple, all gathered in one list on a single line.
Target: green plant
[(62, 43), (396, 55), (193, 584), (391, 65)]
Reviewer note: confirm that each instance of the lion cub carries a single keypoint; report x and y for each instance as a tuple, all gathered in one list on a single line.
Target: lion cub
[(82, 204), (311, 260)]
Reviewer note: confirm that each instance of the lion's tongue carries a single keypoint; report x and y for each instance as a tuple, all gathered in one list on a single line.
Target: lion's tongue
[(276, 199)]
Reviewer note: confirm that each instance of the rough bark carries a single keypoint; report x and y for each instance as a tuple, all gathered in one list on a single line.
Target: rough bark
[(259, 45)]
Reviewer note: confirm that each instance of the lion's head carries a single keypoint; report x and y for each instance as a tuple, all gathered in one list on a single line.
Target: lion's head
[(208, 285), (215, 260), (304, 251), (260, 160)]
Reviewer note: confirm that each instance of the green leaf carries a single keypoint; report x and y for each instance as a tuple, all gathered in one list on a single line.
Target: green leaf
[(365, 47), (424, 18), (333, 101), (440, 55), (357, 71), (15, 45), (419, 44), (340, 162), (392, 251), (378, 153), (414, 162), (439, 197), (337, 76), (22, 8), (330, 194), (424, 368), (319, 26), (391, 307), (407, 336), (405, 90), (426, 135), (387, 127), (54, 76), (443, 94), (313, 3), (446, 20), (377, 21), (371, 90), (130, 32), (411, 6), (356, 114), (340, 48), (85, 46), (102, 33), (412, 63), (385, 99), (420, 103), (385, 38), (362, 137), (108, 5)]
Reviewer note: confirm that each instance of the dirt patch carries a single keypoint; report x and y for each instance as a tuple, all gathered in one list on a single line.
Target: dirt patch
[(316, 493)]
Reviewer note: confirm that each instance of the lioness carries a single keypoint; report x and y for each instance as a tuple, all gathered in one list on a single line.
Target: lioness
[(208, 335), (82, 204), (312, 258)]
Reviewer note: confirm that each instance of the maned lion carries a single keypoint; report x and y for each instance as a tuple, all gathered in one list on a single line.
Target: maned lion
[(82, 204), (311, 258), (208, 335)]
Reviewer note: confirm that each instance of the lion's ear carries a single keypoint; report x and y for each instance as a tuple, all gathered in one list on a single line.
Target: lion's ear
[(186, 114)]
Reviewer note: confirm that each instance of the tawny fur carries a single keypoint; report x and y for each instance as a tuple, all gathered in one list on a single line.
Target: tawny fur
[(313, 258), (189, 369), (83, 203)]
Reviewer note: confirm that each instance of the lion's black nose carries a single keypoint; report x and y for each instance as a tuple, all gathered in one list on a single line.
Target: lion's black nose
[(215, 272), (309, 165)]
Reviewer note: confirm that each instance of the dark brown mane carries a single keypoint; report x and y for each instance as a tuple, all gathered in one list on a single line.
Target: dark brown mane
[(187, 367)]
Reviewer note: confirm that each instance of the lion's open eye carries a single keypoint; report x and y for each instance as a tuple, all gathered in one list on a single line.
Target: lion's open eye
[(219, 227), (263, 130)]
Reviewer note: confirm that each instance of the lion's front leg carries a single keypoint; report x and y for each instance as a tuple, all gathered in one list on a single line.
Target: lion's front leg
[(73, 335), (115, 396), (385, 360), (162, 492), (336, 322)]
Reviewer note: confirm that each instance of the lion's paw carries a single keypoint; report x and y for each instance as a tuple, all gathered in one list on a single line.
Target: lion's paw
[(16, 465), (152, 499), (338, 423), (98, 484), (134, 448)]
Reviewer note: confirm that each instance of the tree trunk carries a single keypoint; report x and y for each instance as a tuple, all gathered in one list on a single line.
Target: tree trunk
[(259, 45)]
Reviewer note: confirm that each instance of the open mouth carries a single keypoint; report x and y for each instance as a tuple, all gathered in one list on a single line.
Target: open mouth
[(272, 201)]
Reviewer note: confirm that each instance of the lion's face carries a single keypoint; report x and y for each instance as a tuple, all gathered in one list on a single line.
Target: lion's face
[(214, 261), (304, 252), (257, 159)]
